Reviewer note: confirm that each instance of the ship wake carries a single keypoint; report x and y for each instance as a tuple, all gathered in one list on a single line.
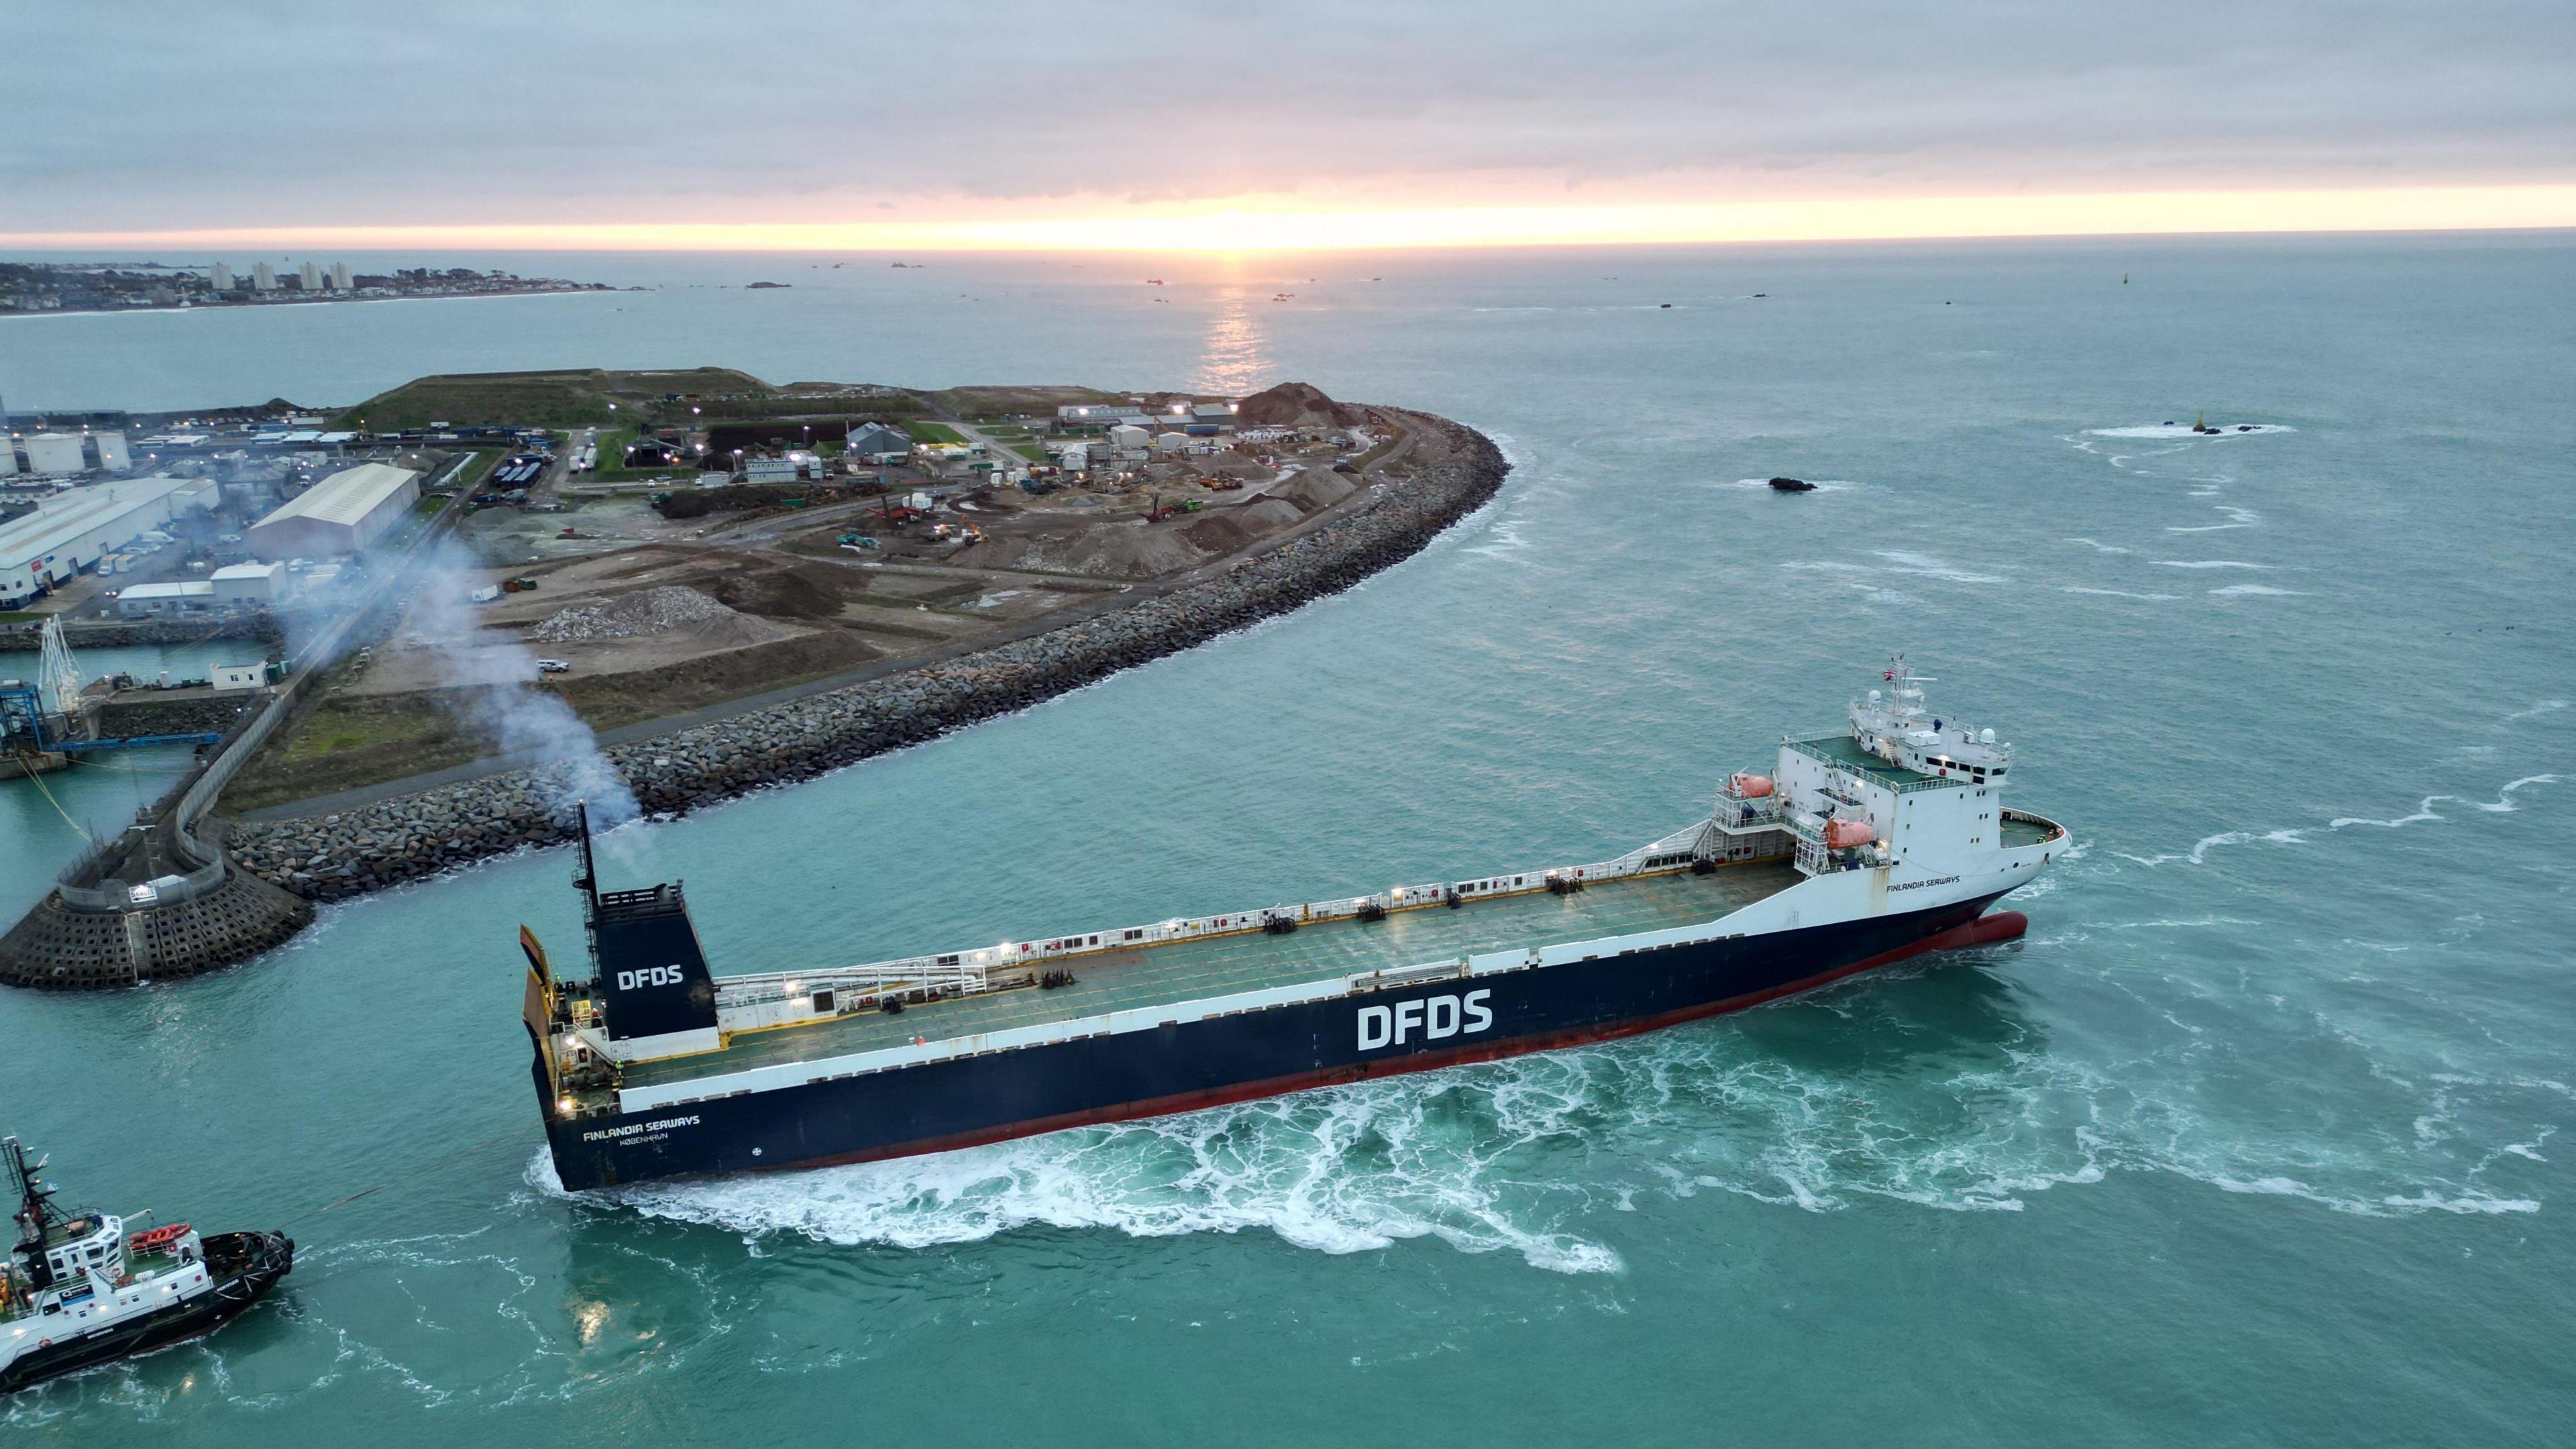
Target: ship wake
[(1454, 1156)]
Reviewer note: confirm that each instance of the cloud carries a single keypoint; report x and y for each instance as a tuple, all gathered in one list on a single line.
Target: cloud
[(300, 114)]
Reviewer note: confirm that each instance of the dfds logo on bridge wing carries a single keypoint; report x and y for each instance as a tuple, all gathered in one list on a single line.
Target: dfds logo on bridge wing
[(649, 976), (1431, 1019)]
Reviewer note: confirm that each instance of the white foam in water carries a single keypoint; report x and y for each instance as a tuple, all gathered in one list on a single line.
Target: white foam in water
[(1345, 1170), (2184, 431), (2098, 546), (2236, 591), (1506, 540), (2118, 594), (1821, 485), (2207, 563), (1902, 562)]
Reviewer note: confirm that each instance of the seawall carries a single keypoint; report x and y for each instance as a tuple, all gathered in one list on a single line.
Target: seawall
[(355, 851)]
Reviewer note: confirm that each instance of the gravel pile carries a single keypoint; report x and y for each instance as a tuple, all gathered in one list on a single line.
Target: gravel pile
[(653, 611)]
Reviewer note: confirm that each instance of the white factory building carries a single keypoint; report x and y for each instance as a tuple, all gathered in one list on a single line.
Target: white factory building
[(69, 532), (341, 514), (62, 454), (248, 586), (187, 599)]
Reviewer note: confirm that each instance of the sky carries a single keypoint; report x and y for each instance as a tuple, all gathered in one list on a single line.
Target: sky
[(1296, 123)]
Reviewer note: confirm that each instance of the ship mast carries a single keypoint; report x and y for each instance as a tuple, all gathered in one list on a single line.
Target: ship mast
[(36, 1211), (588, 881)]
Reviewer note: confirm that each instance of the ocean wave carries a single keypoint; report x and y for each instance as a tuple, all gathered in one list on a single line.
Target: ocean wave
[(2117, 593), (2242, 591), (2208, 563), (2098, 546)]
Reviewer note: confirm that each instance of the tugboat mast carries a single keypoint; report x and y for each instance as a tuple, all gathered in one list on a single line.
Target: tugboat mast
[(36, 1211)]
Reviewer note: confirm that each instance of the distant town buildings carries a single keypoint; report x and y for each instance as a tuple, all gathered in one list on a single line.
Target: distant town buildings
[(98, 287)]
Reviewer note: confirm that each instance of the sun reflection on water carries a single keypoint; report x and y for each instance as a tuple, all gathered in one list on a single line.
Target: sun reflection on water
[(1236, 354)]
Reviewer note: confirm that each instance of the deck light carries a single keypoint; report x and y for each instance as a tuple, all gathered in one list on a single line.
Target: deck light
[(565, 1106)]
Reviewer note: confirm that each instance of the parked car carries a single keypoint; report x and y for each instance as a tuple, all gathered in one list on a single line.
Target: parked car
[(553, 666)]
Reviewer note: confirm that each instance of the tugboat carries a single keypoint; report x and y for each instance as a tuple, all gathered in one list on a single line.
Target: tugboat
[(1792, 485), (79, 1291)]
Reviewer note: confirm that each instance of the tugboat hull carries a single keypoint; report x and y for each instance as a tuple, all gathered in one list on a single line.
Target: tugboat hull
[(244, 1265)]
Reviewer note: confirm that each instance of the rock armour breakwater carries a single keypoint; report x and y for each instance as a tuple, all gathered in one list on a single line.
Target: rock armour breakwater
[(355, 851)]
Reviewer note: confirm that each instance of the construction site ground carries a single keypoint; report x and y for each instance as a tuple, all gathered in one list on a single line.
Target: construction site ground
[(779, 608)]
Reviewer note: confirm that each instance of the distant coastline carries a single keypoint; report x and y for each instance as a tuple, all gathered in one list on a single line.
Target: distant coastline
[(40, 289), (213, 308)]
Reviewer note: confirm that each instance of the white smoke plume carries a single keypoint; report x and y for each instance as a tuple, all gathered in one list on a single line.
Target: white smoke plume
[(490, 681)]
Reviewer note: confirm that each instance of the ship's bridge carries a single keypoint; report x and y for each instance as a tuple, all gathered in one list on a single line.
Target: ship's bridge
[(1896, 725)]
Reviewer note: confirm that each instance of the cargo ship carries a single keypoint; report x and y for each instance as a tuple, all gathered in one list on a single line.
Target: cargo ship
[(1863, 845)]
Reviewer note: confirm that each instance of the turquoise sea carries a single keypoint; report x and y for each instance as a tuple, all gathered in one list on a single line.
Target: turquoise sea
[(2257, 1138)]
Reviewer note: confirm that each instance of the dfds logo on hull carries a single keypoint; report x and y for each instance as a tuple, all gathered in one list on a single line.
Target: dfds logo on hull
[(1430, 1018)]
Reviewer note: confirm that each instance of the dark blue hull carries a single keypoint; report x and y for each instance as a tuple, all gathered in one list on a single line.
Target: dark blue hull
[(1189, 1065)]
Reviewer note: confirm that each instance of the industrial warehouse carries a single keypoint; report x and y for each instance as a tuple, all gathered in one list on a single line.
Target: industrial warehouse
[(73, 531), (57, 455), (341, 514)]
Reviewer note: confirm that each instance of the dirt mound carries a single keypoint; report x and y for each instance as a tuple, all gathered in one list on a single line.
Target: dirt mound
[(1270, 513), (780, 593), (1131, 550), (1315, 488), (1216, 534), (648, 611), (1295, 405)]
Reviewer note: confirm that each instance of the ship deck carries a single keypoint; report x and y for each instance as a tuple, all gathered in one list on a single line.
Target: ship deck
[(1253, 961), (2019, 831)]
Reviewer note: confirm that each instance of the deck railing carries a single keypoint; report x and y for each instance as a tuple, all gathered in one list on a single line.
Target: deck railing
[(778, 997)]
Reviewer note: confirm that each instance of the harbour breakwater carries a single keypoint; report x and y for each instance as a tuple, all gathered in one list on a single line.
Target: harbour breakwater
[(257, 626), (354, 851)]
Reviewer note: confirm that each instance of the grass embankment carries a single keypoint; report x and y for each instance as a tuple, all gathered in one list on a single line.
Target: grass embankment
[(1001, 402), (922, 430), (351, 741), (575, 398)]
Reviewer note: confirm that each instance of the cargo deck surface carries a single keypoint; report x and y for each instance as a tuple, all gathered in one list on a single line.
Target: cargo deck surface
[(1252, 961)]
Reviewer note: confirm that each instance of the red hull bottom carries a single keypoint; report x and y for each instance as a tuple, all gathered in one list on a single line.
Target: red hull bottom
[(1985, 930)]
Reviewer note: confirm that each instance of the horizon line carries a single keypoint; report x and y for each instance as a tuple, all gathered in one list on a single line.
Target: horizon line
[(1266, 226)]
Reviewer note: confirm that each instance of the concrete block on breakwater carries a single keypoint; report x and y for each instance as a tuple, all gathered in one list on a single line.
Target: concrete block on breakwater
[(403, 838)]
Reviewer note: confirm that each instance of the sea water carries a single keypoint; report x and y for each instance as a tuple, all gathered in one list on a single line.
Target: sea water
[(2255, 1138)]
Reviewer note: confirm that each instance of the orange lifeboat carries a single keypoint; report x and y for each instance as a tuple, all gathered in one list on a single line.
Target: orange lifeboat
[(1745, 786), (1843, 834), (158, 1238)]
